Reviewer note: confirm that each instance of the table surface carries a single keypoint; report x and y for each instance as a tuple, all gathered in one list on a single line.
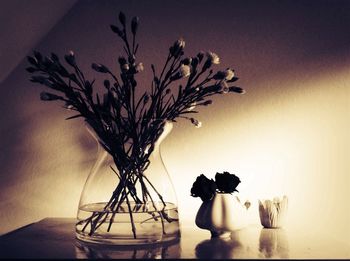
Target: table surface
[(55, 238)]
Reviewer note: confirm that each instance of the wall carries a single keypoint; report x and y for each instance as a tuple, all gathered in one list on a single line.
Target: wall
[(287, 135)]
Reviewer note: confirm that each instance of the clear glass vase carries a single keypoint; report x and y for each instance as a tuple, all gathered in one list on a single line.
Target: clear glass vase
[(137, 210)]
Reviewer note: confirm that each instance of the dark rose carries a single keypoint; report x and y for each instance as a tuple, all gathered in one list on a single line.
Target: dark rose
[(226, 182), (203, 187)]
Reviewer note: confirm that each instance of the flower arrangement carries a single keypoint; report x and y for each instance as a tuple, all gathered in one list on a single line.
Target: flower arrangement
[(220, 212), (206, 188), (128, 126)]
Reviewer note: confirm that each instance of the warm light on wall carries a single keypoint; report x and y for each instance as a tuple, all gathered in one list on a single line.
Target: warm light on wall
[(295, 142)]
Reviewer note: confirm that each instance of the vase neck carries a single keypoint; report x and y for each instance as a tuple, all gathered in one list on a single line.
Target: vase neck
[(166, 129), (168, 126)]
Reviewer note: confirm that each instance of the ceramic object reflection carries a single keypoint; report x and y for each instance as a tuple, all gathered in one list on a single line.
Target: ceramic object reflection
[(273, 243), (242, 244), (273, 212), (222, 215)]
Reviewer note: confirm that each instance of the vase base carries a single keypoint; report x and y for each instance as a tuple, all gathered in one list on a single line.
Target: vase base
[(150, 226), (144, 241)]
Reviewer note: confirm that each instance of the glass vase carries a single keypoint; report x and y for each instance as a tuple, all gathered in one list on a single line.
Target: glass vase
[(128, 206)]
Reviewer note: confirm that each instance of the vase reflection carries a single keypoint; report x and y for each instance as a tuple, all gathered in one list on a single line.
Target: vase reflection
[(273, 243), (154, 251), (237, 245), (246, 243)]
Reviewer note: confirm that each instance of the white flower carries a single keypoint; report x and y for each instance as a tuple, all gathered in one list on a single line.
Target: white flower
[(125, 67), (139, 67), (229, 74), (196, 123), (180, 43), (177, 47), (273, 213), (185, 70), (214, 58)]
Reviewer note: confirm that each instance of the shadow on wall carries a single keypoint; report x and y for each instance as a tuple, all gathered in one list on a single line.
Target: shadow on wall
[(22, 26), (275, 48)]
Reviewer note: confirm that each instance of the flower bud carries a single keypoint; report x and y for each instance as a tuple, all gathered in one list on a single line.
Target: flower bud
[(32, 60), (177, 47), (99, 68), (122, 18), (206, 103), (196, 123), (70, 59), (229, 74), (134, 24), (125, 67), (187, 61), (200, 56), (237, 89), (194, 62), (185, 70), (220, 75), (107, 84), (116, 30), (139, 67), (213, 57), (122, 60)]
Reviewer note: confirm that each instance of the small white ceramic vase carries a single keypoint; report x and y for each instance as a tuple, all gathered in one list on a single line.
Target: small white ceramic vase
[(273, 212), (222, 215)]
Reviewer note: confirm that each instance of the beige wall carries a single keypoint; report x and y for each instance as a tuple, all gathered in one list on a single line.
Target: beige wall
[(287, 135)]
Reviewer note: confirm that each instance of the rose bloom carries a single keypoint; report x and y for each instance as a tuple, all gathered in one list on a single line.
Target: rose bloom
[(214, 58), (185, 70), (229, 74)]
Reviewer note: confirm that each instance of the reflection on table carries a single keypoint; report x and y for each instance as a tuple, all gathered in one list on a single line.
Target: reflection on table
[(153, 251), (55, 238), (272, 243)]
